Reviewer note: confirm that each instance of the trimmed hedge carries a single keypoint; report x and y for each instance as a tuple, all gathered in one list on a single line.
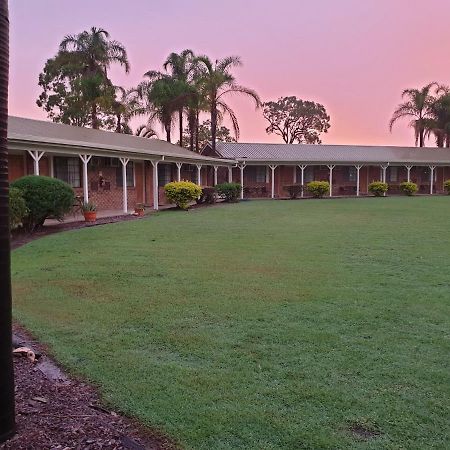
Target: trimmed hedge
[(45, 198), (378, 188), (17, 208), (181, 193), (408, 188), (294, 190), (318, 188), (229, 191)]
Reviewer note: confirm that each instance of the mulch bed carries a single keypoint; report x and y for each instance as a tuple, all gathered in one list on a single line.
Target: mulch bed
[(55, 411)]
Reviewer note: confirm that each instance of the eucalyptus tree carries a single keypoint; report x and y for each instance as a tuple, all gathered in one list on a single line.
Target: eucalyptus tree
[(416, 108), (7, 423), (217, 82)]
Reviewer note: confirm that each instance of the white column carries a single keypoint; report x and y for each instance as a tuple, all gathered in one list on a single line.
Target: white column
[(155, 185), (124, 162), (51, 165), (294, 175), (199, 174), (215, 174), (331, 167), (383, 173), (302, 168), (230, 174), (408, 169), (85, 159), (179, 170), (241, 167), (272, 168), (358, 168), (36, 155), (431, 178)]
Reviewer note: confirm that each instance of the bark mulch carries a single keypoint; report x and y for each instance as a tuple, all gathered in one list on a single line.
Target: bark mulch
[(55, 411)]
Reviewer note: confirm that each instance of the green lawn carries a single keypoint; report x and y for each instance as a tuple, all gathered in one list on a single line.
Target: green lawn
[(260, 325)]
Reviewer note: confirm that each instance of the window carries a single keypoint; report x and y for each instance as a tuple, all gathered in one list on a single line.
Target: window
[(393, 174), (164, 174), (260, 174), (351, 173), (68, 170), (130, 175), (308, 174)]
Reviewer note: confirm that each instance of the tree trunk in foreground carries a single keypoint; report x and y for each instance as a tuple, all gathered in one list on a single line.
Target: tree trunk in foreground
[(7, 423)]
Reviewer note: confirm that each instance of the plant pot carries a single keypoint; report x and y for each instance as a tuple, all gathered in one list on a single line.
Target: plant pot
[(139, 211), (90, 216)]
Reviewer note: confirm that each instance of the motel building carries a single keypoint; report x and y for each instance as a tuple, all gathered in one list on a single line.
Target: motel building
[(117, 171)]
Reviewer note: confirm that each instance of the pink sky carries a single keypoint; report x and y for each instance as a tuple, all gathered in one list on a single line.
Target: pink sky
[(353, 56)]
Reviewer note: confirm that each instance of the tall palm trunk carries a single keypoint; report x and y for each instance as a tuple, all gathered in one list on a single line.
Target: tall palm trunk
[(168, 132), (119, 123), (180, 116), (7, 425), (213, 126), (191, 124)]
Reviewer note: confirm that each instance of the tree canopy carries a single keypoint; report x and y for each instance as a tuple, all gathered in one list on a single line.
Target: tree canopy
[(296, 120)]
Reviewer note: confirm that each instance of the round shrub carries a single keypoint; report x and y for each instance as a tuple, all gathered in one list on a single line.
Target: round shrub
[(408, 188), (318, 188), (45, 198), (209, 195), (447, 186), (378, 188), (17, 208), (229, 191), (182, 193)]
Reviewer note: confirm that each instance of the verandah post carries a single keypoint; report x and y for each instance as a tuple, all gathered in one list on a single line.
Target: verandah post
[(179, 170), (155, 185), (358, 168), (302, 168), (36, 155), (331, 167), (85, 159), (124, 162), (272, 168)]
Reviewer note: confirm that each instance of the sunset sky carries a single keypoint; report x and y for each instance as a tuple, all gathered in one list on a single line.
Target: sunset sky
[(353, 56)]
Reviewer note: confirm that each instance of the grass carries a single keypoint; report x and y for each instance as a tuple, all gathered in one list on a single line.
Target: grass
[(260, 325)]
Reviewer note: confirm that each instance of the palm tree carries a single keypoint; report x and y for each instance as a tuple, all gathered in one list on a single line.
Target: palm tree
[(161, 97), (145, 132), (416, 107), (7, 425), (94, 52), (124, 106), (438, 122), (217, 81), (181, 67)]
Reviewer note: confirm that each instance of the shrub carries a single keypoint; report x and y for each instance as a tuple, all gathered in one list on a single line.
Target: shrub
[(208, 195), (318, 188), (229, 191), (45, 198), (378, 188), (294, 190), (447, 186), (17, 208), (182, 193), (408, 188)]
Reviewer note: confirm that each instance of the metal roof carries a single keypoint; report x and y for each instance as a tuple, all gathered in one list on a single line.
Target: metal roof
[(339, 154), (41, 133)]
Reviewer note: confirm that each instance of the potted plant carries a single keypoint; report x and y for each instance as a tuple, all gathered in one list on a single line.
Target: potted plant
[(139, 209), (89, 211)]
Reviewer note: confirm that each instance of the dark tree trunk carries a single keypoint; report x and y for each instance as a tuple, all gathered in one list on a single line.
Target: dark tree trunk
[(421, 138), (7, 423), (180, 115), (197, 124), (119, 123), (94, 121), (168, 133), (213, 126)]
